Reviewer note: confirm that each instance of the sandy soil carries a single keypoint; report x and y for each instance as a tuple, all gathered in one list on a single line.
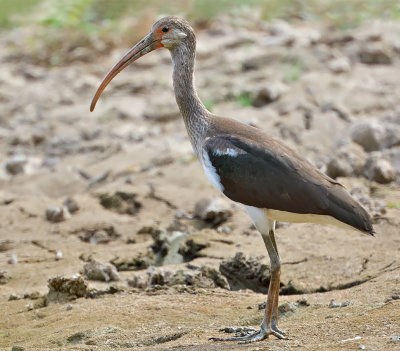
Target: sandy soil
[(135, 142)]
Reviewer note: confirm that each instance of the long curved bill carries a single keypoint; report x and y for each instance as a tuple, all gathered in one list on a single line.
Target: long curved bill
[(147, 44)]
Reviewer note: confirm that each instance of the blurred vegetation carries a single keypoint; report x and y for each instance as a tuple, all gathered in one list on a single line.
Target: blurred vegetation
[(292, 70), (59, 31), (88, 15), (244, 99)]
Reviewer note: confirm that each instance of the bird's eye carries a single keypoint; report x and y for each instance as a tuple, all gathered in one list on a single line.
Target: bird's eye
[(165, 29)]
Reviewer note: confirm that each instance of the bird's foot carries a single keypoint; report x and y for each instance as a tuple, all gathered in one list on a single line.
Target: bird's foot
[(245, 335), (275, 328)]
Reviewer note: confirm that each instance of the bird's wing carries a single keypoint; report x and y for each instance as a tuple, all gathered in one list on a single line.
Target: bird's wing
[(257, 176)]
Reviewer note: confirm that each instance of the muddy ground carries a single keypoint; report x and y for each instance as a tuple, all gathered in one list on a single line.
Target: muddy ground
[(129, 168)]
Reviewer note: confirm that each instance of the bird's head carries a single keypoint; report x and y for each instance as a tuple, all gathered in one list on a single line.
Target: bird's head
[(168, 32)]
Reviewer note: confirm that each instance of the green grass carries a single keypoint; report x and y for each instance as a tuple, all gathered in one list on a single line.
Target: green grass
[(9, 9), (91, 13), (292, 71), (244, 99), (209, 104)]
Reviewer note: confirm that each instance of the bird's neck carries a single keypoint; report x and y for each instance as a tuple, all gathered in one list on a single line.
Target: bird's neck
[(193, 111)]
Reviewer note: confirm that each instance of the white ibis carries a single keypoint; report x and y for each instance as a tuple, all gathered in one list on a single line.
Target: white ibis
[(273, 182)]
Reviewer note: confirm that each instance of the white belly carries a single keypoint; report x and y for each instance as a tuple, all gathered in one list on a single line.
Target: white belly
[(284, 216), (210, 172)]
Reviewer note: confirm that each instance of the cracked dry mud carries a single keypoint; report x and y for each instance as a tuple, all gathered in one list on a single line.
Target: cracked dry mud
[(340, 289)]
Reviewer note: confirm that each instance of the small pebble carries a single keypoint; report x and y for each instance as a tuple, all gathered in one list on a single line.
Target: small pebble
[(57, 214), (13, 259), (333, 304), (16, 164), (14, 297), (69, 307), (59, 255), (391, 298), (71, 205), (95, 270), (224, 229), (395, 338), (351, 339)]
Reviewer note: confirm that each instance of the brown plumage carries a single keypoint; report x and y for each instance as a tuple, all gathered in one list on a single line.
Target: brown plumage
[(268, 174), (249, 166)]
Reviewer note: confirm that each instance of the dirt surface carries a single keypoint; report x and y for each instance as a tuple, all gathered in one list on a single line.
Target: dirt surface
[(133, 184)]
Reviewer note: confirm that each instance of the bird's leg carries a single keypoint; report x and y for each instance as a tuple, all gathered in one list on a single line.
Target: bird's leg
[(270, 319), (274, 320)]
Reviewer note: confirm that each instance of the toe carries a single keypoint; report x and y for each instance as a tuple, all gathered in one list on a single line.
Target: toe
[(278, 334)]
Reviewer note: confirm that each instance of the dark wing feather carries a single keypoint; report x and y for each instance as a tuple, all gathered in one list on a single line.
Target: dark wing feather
[(273, 179)]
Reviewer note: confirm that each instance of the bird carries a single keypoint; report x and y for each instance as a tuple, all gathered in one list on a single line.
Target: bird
[(249, 166)]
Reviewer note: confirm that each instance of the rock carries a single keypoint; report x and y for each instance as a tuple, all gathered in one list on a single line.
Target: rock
[(138, 262), (57, 214), (375, 54), (332, 304), (267, 94), (287, 308), (94, 293), (65, 289), (38, 136), (218, 279), (71, 205), (33, 295), (16, 164), (166, 247), (79, 337), (17, 348), (121, 202), (214, 211), (379, 169), (375, 135), (392, 135), (6, 245), (204, 277), (98, 179), (191, 247), (303, 302), (95, 270), (97, 234), (391, 298), (13, 259), (395, 339), (14, 297), (243, 273), (375, 207), (393, 156), (292, 289), (370, 134), (346, 161), (58, 256), (29, 307), (341, 111), (340, 65), (4, 277)]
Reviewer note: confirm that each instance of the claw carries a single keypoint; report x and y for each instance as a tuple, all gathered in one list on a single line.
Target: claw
[(281, 333), (245, 335), (245, 339)]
